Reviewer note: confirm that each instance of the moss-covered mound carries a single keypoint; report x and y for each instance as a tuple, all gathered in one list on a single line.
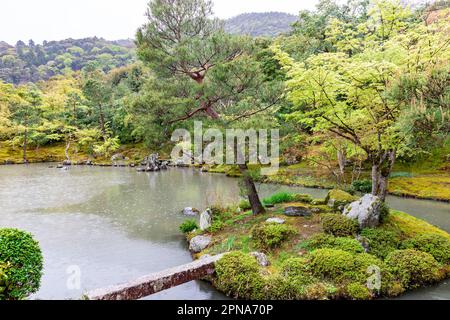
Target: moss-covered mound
[(325, 255)]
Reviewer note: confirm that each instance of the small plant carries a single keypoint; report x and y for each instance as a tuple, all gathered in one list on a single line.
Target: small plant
[(245, 205), (269, 236), (339, 225), (23, 258), (188, 226), (414, 268), (364, 186), (434, 244)]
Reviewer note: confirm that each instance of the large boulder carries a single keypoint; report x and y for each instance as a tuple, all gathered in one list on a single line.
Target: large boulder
[(205, 219), (199, 243), (338, 199), (275, 220), (366, 210)]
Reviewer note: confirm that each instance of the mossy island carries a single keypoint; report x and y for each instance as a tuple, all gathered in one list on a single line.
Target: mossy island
[(319, 253)]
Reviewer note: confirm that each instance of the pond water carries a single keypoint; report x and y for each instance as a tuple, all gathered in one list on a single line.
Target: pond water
[(112, 225)]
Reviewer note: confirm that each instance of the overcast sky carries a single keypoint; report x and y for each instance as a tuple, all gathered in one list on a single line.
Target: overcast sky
[(111, 19)]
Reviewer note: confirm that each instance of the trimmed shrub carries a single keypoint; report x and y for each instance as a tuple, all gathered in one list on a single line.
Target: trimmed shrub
[(414, 268), (381, 242), (282, 288), (271, 235), (21, 252), (364, 186), (357, 291), (331, 263), (297, 269), (339, 225), (188, 226), (280, 197), (237, 275), (3, 279), (434, 244), (306, 198)]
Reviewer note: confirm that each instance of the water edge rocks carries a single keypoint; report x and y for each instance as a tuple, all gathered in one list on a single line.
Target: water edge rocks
[(199, 243)]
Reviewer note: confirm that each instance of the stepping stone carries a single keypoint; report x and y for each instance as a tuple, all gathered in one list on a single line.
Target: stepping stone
[(297, 211)]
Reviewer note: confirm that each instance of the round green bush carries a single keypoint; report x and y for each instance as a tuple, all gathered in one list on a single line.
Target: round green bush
[(188, 226), (271, 235), (357, 291), (21, 252), (278, 287), (339, 225), (364, 186), (237, 275), (331, 263), (381, 242), (297, 270), (414, 268), (434, 244)]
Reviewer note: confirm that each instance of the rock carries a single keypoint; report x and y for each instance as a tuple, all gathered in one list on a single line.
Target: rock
[(262, 259), (275, 220), (140, 169), (297, 211), (191, 212), (67, 163), (364, 243), (338, 199), (205, 219), (199, 243), (9, 162), (132, 165), (366, 210), (59, 166)]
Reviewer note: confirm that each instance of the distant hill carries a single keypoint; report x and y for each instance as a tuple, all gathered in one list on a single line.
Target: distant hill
[(260, 24), (33, 62)]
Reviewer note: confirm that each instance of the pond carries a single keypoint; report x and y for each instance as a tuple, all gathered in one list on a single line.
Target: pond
[(112, 225)]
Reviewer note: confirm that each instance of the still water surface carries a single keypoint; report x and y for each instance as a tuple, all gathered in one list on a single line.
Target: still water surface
[(114, 224)]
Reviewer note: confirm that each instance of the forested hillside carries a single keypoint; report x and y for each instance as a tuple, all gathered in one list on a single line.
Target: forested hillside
[(260, 24), (32, 62)]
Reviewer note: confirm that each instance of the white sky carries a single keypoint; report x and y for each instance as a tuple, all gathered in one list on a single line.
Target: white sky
[(111, 19)]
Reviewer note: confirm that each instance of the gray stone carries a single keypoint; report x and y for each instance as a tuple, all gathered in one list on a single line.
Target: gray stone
[(199, 243), (366, 210), (205, 219), (262, 259), (190, 212), (297, 211), (275, 220)]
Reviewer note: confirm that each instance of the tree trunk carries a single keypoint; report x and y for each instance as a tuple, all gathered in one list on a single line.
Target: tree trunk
[(67, 150), (381, 170), (252, 193), (25, 145), (342, 159)]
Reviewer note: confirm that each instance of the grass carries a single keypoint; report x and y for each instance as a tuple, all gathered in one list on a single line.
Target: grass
[(435, 187)]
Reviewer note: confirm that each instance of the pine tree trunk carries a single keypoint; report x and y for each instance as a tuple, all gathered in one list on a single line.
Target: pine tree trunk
[(252, 193)]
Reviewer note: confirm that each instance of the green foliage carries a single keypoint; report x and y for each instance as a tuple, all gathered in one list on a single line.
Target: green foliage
[(237, 275), (245, 205), (364, 186), (271, 235), (23, 257), (434, 244), (357, 291), (188, 226), (280, 197), (339, 199), (414, 268), (339, 225), (260, 24), (381, 242)]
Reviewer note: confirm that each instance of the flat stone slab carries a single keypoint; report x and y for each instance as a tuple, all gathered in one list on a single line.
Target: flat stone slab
[(297, 211), (157, 282), (275, 220)]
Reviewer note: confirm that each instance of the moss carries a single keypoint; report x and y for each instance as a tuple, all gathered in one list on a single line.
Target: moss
[(338, 225), (357, 291), (408, 226), (278, 287), (321, 240), (414, 268), (381, 242), (338, 199), (238, 275), (331, 263), (435, 187), (434, 244), (269, 236)]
